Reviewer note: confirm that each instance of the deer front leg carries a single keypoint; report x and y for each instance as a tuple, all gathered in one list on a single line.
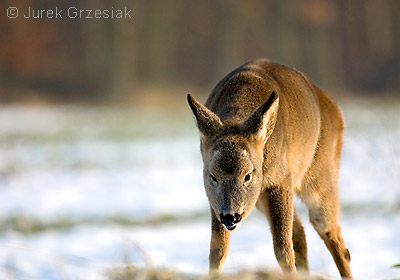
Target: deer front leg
[(280, 209), (218, 246)]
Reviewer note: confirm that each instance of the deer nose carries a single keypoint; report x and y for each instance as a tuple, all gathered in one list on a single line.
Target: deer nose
[(230, 220)]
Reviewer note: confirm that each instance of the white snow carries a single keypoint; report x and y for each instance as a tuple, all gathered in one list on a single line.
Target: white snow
[(77, 163)]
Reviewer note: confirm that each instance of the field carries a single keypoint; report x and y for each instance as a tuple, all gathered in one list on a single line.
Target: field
[(87, 190)]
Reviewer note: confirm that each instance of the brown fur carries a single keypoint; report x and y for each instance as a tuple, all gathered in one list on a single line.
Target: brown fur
[(267, 133)]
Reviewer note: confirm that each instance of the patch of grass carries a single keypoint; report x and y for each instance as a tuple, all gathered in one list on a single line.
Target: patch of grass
[(131, 272), (27, 225), (32, 225)]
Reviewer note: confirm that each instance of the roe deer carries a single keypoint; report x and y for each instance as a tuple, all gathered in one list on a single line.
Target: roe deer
[(267, 132)]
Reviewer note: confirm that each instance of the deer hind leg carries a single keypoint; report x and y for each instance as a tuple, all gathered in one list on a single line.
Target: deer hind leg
[(299, 244), (322, 201), (325, 223)]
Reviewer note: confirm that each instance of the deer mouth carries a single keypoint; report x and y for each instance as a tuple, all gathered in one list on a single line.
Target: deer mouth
[(234, 227)]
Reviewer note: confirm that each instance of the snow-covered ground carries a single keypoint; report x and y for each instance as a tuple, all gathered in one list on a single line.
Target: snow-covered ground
[(84, 164)]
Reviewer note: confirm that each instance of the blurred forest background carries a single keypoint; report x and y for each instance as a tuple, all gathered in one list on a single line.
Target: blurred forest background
[(178, 46)]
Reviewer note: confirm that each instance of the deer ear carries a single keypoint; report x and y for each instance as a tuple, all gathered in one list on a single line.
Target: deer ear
[(261, 122), (207, 121)]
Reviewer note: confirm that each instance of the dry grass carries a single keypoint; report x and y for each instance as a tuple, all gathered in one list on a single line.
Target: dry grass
[(131, 272)]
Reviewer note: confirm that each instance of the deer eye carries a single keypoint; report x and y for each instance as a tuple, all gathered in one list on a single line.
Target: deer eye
[(247, 178), (213, 179)]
